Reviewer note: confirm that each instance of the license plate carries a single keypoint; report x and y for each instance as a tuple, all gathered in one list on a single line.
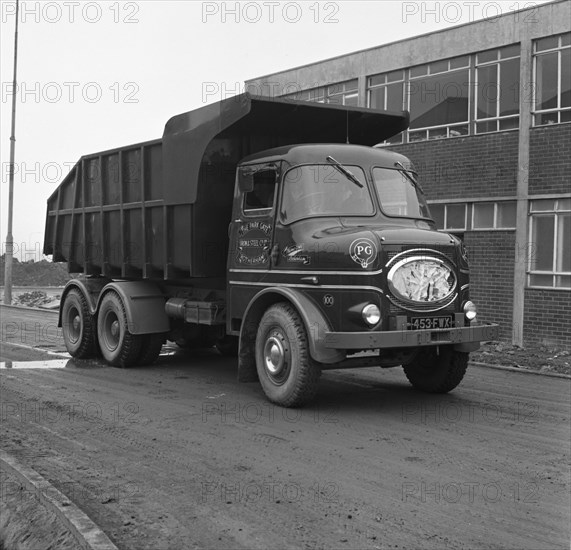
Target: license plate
[(424, 323)]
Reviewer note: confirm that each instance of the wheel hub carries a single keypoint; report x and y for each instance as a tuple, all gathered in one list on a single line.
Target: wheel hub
[(115, 329), (274, 355), (73, 325), (76, 323)]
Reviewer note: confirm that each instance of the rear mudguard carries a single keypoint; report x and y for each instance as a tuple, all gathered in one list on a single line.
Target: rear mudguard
[(144, 302)]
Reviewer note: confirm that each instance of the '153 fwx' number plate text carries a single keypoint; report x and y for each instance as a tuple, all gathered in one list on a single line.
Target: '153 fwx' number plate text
[(420, 323)]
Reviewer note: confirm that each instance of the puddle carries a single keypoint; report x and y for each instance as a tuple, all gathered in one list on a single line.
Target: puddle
[(50, 364)]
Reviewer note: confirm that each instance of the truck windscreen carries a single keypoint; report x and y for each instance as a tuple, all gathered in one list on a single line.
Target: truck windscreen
[(398, 194), (322, 190)]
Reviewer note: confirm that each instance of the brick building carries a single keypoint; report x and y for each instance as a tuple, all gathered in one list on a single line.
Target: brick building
[(490, 134)]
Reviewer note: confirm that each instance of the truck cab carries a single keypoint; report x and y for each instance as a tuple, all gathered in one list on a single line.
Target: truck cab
[(342, 235)]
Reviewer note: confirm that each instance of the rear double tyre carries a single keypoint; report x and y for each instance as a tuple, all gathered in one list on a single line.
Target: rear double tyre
[(437, 371), (287, 373), (78, 326), (118, 346)]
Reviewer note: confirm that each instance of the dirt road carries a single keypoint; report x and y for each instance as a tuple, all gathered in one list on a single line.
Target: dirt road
[(180, 455)]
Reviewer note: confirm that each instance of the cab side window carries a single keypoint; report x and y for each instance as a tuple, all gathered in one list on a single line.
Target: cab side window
[(260, 182)]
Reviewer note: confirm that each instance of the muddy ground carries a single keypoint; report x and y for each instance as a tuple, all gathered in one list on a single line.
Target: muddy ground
[(180, 455)]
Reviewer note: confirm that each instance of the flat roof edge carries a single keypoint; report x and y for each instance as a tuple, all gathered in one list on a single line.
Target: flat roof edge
[(402, 40)]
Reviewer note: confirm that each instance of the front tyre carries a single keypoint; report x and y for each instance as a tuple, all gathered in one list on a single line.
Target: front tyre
[(285, 368), (437, 371), (118, 346), (78, 326)]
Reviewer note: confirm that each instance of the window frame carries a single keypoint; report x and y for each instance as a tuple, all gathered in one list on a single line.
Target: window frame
[(447, 126), (498, 118), (469, 206), (536, 113), (418, 191), (265, 211), (555, 213), (344, 92), (282, 190), (496, 215)]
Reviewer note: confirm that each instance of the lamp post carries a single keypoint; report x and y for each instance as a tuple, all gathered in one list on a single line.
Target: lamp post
[(9, 237)]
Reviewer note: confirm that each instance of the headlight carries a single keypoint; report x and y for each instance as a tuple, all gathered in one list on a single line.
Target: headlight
[(371, 314), (470, 310)]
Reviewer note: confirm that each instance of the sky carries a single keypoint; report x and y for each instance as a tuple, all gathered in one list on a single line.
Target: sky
[(95, 75)]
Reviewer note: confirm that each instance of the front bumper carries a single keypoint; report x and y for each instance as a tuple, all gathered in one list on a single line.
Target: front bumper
[(467, 337)]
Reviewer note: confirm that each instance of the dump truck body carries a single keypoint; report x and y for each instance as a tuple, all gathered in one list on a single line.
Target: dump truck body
[(161, 209)]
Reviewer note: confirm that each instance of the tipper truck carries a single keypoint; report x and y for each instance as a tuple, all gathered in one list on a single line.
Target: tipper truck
[(274, 230)]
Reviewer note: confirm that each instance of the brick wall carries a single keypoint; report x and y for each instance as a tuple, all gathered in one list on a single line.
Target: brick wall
[(550, 160), (474, 166), (491, 256), (547, 317)]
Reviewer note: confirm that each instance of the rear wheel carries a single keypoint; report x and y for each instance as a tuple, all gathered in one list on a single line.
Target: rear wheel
[(118, 346), (78, 326), (437, 372), (286, 370)]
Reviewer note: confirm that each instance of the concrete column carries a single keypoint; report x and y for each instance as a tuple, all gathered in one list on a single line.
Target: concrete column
[(521, 233)]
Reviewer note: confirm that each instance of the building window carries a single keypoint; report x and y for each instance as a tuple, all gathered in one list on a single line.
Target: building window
[(440, 95), (450, 217), (552, 78), (550, 243), (316, 95), (437, 95), (476, 216), (344, 93), (386, 92), (493, 215), (497, 90)]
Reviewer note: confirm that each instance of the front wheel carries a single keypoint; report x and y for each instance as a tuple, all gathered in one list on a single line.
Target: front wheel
[(118, 346), (286, 370), (437, 370)]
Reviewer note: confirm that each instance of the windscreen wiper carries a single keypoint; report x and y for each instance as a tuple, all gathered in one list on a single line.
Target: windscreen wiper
[(407, 172), (344, 171)]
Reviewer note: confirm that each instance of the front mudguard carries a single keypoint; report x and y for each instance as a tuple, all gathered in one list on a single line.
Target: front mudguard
[(316, 327)]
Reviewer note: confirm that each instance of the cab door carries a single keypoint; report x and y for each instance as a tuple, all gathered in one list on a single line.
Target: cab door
[(251, 233)]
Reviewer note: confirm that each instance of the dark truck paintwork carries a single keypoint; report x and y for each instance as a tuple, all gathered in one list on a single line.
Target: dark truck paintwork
[(253, 225)]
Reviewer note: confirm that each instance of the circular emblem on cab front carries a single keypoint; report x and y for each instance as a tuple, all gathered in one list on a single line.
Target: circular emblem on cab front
[(363, 251)]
